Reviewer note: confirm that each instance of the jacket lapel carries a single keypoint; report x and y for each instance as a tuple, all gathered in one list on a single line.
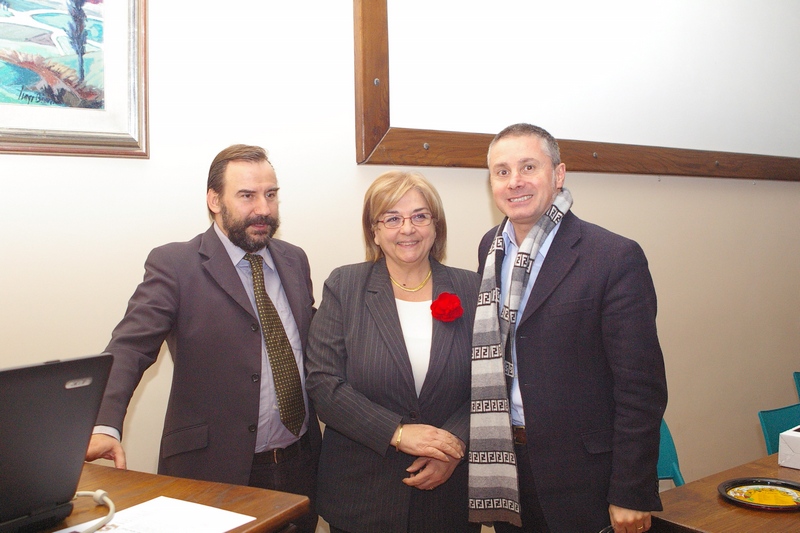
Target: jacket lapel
[(560, 258), (218, 265), (383, 309), (443, 332)]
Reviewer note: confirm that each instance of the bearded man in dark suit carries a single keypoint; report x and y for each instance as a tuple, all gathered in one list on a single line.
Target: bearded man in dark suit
[(223, 421)]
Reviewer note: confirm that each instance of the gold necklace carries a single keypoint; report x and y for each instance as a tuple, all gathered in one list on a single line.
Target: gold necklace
[(415, 289)]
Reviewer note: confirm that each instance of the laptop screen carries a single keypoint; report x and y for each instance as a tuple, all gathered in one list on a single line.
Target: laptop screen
[(47, 413)]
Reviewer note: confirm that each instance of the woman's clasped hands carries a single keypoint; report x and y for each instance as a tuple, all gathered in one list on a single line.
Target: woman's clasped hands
[(438, 453)]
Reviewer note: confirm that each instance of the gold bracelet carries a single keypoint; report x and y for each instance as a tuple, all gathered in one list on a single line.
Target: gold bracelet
[(399, 436)]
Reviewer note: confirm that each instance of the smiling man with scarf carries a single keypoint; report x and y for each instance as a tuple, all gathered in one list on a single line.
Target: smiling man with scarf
[(568, 382)]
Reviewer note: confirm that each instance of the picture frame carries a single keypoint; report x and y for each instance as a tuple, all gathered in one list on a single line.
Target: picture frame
[(120, 128), (380, 143)]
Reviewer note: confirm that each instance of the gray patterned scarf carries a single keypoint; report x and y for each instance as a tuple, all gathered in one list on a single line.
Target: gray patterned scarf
[(493, 489)]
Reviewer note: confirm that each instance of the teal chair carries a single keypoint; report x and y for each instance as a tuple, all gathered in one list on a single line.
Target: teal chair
[(775, 421), (797, 382), (668, 457)]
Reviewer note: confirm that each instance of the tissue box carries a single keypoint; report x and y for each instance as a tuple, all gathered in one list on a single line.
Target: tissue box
[(789, 448)]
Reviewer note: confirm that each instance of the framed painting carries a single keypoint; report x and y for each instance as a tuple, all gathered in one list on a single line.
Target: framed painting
[(73, 77)]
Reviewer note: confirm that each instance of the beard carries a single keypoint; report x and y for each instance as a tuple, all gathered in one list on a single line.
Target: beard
[(237, 230)]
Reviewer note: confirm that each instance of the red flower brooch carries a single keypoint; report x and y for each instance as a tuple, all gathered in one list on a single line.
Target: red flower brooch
[(447, 307)]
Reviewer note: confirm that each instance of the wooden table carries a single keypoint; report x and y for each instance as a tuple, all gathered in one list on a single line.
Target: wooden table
[(273, 510), (697, 506)]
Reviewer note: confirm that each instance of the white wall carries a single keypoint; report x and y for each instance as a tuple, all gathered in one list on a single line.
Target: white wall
[(276, 74), (678, 74), (723, 253)]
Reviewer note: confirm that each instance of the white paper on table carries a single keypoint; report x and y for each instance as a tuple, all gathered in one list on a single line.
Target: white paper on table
[(168, 515)]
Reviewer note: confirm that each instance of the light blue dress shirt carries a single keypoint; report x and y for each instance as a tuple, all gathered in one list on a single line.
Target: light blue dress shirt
[(511, 249), (271, 432)]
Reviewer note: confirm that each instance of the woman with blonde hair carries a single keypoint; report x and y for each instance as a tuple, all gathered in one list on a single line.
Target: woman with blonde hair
[(388, 366)]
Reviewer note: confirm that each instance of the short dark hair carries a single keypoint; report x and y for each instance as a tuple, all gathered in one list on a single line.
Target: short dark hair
[(522, 129), (236, 152)]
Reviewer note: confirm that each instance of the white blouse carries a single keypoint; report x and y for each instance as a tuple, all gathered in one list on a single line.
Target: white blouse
[(416, 322)]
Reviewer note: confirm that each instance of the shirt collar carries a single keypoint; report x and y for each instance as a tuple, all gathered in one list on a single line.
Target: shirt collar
[(510, 239), (237, 254)]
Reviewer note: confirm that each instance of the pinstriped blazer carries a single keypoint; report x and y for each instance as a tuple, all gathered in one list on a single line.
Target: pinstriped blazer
[(361, 382)]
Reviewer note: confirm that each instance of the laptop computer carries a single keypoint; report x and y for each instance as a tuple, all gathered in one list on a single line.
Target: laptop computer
[(47, 413)]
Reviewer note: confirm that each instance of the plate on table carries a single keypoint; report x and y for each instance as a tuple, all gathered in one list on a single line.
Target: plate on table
[(769, 494)]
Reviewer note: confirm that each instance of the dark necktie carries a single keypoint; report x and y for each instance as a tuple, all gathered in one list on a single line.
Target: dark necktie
[(279, 352)]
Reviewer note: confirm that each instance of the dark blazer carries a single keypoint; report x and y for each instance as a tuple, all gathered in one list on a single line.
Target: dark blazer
[(193, 297), (360, 379), (591, 376)]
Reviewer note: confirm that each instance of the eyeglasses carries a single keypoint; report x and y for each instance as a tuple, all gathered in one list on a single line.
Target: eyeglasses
[(417, 219)]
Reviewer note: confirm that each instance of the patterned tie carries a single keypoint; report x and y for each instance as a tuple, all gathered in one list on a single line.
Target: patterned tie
[(279, 353)]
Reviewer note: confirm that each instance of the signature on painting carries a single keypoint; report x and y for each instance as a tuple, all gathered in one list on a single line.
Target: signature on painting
[(51, 53)]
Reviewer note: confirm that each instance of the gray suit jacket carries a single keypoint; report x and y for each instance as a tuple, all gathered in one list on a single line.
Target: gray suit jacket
[(193, 298), (360, 378), (591, 376)]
